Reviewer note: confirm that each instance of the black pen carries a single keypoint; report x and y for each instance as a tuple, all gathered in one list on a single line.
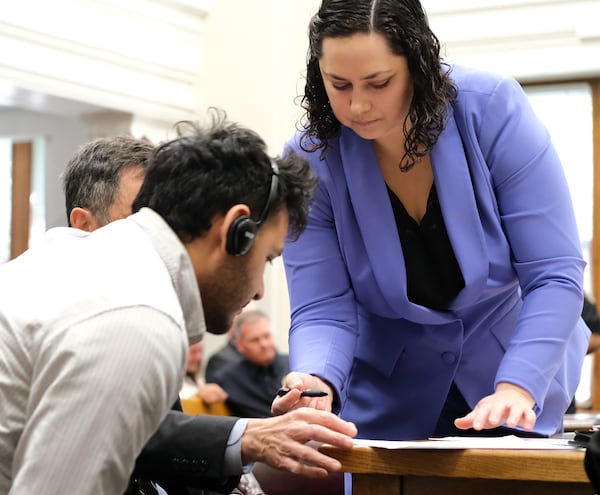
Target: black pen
[(305, 393)]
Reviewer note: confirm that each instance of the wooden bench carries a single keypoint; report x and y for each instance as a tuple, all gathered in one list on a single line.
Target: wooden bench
[(195, 405)]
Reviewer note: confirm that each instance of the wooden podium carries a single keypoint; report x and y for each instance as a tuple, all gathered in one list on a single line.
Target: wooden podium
[(463, 472)]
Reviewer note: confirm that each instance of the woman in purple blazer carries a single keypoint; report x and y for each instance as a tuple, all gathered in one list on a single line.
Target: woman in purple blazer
[(437, 289)]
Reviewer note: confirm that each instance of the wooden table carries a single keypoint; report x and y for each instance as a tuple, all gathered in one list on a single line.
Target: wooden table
[(378, 471)]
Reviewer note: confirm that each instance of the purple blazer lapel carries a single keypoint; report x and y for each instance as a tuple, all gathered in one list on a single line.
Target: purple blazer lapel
[(378, 230), (374, 216), (459, 207)]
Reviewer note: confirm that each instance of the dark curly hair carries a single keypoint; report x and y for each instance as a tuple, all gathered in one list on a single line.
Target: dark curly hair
[(404, 25), (206, 170)]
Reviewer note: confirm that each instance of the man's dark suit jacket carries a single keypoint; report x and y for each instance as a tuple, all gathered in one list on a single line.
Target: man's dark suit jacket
[(186, 455), (227, 354), (590, 315), (251, 388)]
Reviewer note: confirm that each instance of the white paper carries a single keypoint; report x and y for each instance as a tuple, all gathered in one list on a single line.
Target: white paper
[(505, 442)]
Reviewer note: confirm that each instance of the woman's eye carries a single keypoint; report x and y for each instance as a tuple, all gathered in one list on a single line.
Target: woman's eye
[(381, 85), (341, 87)]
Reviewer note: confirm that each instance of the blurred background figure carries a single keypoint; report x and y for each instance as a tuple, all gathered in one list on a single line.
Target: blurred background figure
[(222, 357), (194, 384), (590, 315), (252, 382)]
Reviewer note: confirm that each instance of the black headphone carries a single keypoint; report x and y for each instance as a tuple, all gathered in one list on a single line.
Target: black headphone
[(242, 231)]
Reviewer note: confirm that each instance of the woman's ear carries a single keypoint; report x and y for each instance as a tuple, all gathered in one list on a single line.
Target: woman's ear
[(82, 219)]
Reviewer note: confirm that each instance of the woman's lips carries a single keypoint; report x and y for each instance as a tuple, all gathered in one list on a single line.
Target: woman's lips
[(364, 123)]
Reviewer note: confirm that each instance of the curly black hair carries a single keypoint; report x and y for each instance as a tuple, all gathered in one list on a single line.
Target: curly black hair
[(404, 25), (207, 169)]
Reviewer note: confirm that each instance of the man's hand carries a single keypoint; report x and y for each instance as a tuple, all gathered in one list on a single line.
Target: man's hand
[(211, 393), (281, 442), (297, 382), (510, 405)]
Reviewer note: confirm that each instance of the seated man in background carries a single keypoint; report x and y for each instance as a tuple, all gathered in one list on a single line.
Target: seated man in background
[(252, 382), (222, 357), (193, 384), (106, 318), (590, 316)]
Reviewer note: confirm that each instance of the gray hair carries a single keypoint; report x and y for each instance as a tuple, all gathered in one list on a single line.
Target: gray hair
[(92, 178), (246, 316)]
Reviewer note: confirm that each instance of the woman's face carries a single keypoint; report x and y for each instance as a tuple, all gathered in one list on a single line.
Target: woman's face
[(369, 88)]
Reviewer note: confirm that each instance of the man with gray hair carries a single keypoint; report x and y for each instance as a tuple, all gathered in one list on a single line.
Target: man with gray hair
[(252, 382), (102, 179)]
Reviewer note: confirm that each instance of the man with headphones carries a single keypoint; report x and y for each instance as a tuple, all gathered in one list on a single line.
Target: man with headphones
[(96, 345)]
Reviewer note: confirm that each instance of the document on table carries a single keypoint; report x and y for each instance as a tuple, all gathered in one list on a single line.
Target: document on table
[(505, 442)]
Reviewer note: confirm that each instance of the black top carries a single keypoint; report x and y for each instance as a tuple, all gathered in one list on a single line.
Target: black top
[(433, 276)]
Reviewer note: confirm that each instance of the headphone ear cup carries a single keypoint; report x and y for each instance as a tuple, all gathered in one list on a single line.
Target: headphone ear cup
[(240, 235)]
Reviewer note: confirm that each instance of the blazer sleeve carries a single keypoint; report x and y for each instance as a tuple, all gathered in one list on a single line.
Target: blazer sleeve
[(188, 450), (538, 220), (320, 345)]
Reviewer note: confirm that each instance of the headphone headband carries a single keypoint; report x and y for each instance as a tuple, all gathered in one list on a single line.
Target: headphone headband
[(272, 194), (242, 231)]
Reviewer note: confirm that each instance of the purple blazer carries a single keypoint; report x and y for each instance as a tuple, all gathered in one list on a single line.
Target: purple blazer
[(510, 220)]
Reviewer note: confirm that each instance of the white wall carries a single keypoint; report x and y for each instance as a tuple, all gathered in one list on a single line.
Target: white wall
[(255, 61), (254, 66)]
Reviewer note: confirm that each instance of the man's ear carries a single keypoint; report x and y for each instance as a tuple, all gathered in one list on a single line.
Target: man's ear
[(82, 219), (235, 212)]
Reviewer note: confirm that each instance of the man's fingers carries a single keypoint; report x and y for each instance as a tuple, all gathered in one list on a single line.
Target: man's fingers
[(306, 460)]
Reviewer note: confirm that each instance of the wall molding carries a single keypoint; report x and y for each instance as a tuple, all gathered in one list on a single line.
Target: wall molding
[(530, 40), (443, 7), (139, 56)]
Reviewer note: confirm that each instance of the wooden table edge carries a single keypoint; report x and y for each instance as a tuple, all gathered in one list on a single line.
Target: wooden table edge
[(513, 464)]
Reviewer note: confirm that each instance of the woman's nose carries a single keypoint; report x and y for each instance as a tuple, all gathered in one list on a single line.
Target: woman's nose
[(359, 103)]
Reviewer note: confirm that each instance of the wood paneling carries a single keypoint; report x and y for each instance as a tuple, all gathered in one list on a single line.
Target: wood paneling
[(21, 190)]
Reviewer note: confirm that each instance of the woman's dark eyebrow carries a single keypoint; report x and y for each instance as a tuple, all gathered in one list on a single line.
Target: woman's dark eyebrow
[(370, 76)]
